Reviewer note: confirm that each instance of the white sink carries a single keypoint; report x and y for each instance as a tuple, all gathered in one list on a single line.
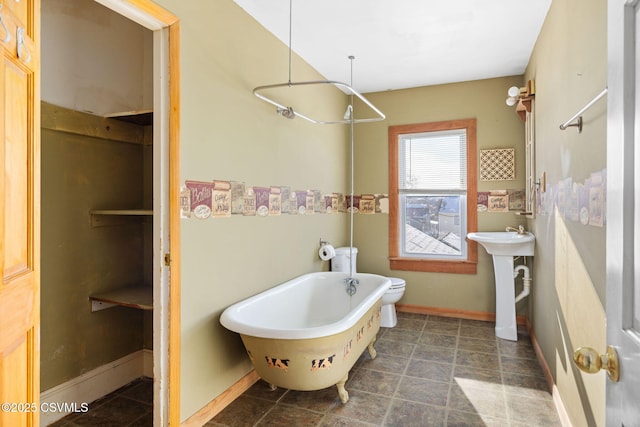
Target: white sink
[(505, 242), (503, 246)]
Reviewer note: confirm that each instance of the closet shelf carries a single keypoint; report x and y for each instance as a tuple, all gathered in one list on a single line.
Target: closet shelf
[(104, 217), (140, 297), (138, 117), (121, 212)]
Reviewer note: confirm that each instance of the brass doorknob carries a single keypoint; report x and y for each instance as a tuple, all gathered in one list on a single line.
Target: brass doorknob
[(590, 361)]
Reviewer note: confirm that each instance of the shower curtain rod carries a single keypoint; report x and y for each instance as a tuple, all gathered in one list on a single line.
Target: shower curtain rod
[(339, 85), (290, 113)]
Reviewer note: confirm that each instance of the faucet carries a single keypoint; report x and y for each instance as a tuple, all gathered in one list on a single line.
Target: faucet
[(351, 285), (519, 230)]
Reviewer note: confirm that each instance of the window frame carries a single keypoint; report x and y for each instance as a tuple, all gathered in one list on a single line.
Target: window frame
[(397, 262)]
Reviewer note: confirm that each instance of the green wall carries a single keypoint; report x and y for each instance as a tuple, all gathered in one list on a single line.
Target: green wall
[(229, 134), (569, 287), (498, 126)]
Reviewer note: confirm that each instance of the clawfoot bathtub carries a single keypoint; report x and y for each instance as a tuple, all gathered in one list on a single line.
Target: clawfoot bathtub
[(307, 333)]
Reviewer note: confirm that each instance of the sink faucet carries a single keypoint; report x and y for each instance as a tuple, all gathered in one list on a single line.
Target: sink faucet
[(519, 230)]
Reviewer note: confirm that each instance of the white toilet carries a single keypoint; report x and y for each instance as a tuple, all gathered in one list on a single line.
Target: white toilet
[(388, 319)]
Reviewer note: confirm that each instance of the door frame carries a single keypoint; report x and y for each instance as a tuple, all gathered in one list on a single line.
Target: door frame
[(166, 206)]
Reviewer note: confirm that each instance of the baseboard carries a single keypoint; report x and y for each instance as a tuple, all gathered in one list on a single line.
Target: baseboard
[(557, 400), (94, 384), (543, 362), (147, 363), (214, 407), (452, 312), (562, 410)]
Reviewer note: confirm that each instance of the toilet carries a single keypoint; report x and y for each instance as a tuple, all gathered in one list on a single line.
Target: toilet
[(388, 318)]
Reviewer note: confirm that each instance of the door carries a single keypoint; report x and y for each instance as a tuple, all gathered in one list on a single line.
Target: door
[(623, 210), (19, 213)]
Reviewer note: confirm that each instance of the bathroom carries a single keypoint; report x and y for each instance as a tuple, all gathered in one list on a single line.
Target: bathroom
[(226, 134), (293, 146)]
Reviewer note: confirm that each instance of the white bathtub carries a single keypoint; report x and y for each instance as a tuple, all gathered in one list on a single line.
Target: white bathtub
[(307, 333)]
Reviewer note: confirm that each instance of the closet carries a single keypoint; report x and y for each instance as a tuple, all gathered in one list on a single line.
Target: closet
[(97, 199), (136, 292)]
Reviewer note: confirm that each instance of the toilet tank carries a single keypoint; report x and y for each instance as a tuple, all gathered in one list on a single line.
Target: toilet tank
[(340, 262)]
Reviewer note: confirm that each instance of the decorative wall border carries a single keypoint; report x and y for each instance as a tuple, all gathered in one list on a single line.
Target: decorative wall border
[(584, 202), (501, 200), (219, 199), (206, 199)]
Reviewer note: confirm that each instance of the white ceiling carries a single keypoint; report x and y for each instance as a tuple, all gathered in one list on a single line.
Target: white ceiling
[(406, 43)]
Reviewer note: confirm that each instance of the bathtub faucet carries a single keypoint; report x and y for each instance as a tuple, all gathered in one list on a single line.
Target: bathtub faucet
[(351, 285), (520, 229)]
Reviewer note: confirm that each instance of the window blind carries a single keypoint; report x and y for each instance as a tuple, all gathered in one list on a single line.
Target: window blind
[(433, 161)]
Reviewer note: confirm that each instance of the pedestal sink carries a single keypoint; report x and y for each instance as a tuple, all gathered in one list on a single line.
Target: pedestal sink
[(503, 246)]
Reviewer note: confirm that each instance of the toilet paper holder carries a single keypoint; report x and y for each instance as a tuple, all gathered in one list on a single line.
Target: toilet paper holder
[(326, 251)]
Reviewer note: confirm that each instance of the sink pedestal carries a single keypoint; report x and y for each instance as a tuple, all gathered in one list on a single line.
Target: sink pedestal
[(506, 326), (503, 246)]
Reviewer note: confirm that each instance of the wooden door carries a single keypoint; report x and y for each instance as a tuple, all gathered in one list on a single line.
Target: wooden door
[(19, 213)]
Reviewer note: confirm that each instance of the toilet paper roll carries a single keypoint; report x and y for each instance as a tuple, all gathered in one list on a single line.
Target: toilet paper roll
[(326, 252)]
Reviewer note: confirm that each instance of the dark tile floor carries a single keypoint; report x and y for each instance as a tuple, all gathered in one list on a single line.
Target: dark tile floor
[(129, 406), (430, 371)]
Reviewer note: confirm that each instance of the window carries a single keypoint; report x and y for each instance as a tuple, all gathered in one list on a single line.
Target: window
[(432, 195)]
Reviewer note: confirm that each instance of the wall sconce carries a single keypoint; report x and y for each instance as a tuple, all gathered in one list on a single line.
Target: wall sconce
[(521, 97), (513, 94)]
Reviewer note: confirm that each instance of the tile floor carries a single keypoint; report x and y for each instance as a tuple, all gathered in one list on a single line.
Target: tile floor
[(430, 371), (129, 406)]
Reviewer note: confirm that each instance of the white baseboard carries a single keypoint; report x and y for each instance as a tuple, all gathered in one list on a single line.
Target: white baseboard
[(147, 363), (94, 384), (560, 408)]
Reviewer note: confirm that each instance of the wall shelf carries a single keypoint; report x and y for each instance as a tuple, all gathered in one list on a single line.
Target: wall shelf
[(121, 212), (140, 297), (138, 117), (105, 217)]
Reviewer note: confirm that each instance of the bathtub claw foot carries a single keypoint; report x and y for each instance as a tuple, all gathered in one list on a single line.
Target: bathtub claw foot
[(342, 392), (372, 351)]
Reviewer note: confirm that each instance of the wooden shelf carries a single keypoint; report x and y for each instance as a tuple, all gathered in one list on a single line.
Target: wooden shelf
[(104, 217), (140, 297), (139, 117), (121, 212)]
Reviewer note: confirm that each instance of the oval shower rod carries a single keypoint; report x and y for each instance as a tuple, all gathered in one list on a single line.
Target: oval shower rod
[(290, 113), (578, 115)]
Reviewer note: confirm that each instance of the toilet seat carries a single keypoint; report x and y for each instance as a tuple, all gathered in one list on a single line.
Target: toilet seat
[(396, 283)]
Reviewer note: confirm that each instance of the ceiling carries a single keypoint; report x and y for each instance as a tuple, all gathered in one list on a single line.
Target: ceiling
[(406, 43)]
